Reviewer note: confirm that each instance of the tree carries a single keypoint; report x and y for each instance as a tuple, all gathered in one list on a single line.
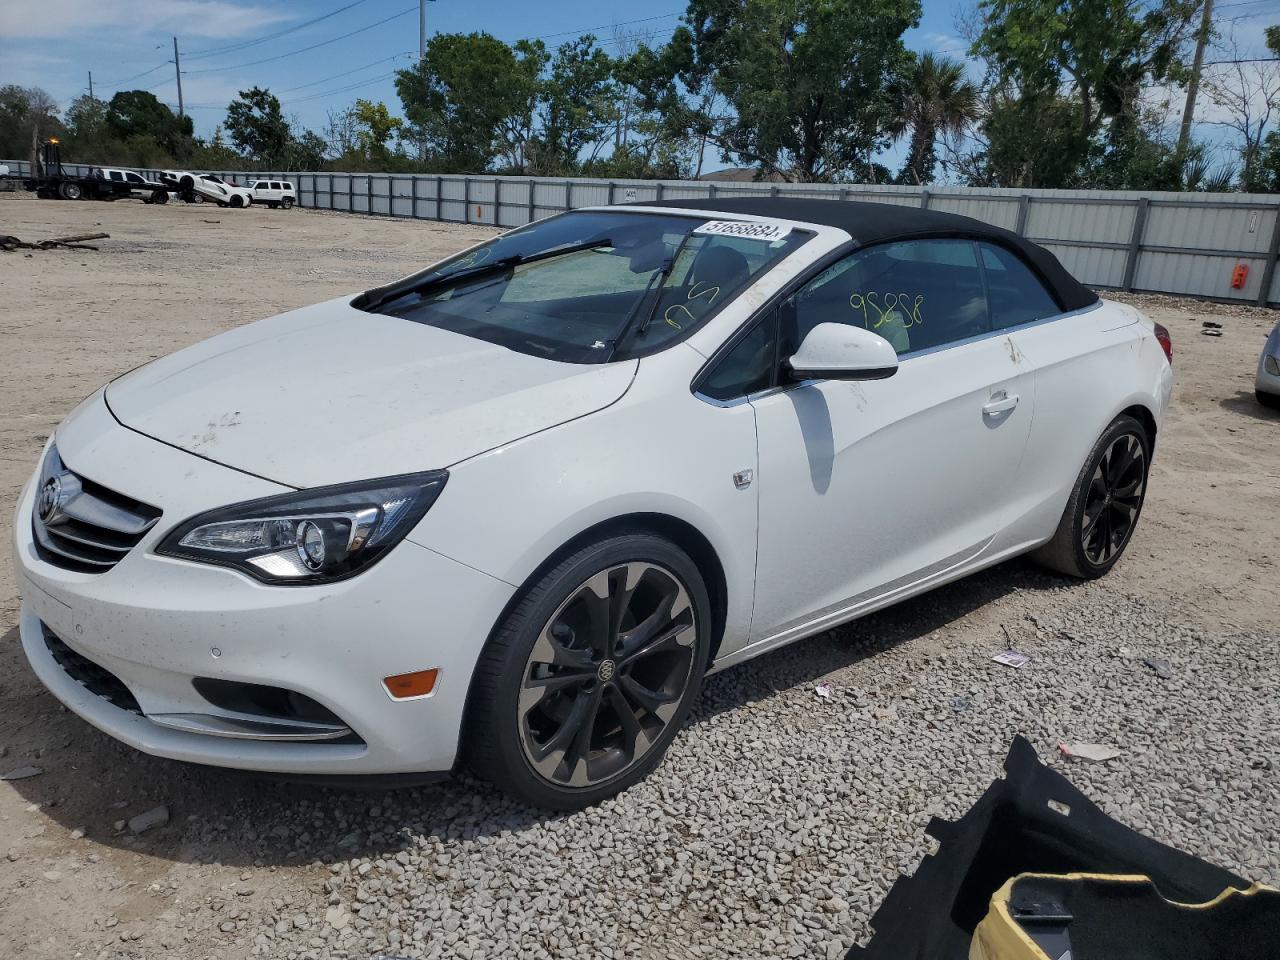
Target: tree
[(258, 128), (809, 82), (375, 127), (1026, 140), (1095, 54), (936, 101), (306, 152), (28, 115), (145, 125), (1247, 92), (463, 97), (581, 109)]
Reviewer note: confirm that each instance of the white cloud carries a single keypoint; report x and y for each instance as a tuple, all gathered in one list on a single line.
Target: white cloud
[(74, 19)]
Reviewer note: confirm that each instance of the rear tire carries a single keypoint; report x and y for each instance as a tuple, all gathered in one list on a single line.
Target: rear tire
[(288, 202), (1104, 506), (160, 196), (1271, 400), (588, 679)]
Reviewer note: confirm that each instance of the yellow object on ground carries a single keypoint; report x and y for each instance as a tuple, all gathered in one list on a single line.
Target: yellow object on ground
[(1093, 916)]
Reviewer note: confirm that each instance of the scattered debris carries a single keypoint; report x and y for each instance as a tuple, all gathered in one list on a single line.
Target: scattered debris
[(1012, 658), (825, 690), (22, 773), (210, 221), (960, 705), (1093, 752), (77, 833), (75, 242), (1259, 763), (1162, 667), (155, 817), (1210, 324), (1209, 332)]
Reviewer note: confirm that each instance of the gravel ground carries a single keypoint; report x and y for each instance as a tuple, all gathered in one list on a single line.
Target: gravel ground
[(779, 818)]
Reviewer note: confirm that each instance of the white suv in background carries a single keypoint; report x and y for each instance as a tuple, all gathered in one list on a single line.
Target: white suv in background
[(274, 193)]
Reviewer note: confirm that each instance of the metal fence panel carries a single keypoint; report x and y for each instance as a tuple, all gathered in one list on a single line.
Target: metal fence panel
[(1161, 242)]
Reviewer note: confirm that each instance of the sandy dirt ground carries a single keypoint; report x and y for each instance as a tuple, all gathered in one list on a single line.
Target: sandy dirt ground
[(73, 884)]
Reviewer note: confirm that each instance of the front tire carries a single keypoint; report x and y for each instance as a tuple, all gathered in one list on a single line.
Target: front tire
[(1105, 504), (586, 682), (70, 190), (1271, 400)]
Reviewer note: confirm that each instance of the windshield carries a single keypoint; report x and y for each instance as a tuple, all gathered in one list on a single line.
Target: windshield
[(590, 286)]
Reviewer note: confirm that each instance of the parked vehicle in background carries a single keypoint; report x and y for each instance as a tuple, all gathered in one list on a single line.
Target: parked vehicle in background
[(51, 181), (1266, 386), (206, 188), (150, 191), (274, 193), (510, 510)]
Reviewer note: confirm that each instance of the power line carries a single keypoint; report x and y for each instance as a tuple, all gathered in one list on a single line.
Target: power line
[(605, 26), (202, 54), (138, 76), (346, 89), (314, 46), (337, 76)]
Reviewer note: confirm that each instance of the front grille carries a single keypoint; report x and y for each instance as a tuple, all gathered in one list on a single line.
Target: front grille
[(97, 680), (92, 527)]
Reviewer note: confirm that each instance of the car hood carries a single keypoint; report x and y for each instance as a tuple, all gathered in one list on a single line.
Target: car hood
[(329, 394)]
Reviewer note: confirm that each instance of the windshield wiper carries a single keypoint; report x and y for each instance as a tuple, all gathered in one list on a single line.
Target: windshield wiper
[(380, 295), (663, 273)]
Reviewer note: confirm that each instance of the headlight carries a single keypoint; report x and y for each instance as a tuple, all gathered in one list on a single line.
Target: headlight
[(312, 536), (1272, 366)]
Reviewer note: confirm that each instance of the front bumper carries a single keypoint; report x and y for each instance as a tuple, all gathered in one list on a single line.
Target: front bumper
[(156, 624)]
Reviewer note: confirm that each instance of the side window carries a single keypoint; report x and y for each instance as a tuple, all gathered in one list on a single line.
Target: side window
[(747, 368), (1016, 294), (117, 175), (916, 294), (276, 186)]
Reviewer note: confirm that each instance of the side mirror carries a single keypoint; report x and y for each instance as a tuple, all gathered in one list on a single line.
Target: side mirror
[(837, 351)]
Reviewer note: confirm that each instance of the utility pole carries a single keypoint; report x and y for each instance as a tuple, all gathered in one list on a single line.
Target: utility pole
[(90, 84), (422, 30), (1193, 85), (177, 71), (422, 56)]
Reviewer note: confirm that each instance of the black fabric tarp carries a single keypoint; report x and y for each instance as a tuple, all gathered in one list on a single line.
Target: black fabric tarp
[(1011, 830)]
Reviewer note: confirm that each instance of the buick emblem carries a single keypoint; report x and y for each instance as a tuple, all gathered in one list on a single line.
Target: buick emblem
[(51, 500), (606, 671)]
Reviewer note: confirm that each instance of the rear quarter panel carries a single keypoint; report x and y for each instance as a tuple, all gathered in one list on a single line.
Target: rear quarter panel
[(1088, 367)]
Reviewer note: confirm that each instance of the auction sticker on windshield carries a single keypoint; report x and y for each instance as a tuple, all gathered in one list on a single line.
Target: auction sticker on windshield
[(768, 232)]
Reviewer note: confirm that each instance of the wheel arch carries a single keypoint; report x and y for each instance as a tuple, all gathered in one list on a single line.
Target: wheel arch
[(1144, 416), (680, 532)]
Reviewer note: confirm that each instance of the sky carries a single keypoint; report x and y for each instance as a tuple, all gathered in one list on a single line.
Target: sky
[(318, 55)]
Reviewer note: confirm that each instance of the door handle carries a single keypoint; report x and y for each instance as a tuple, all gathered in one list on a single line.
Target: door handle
[(1000, 403)]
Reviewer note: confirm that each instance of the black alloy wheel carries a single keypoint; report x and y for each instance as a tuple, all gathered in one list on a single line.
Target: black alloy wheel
[(587, 680), (1105, 503), (1114, 498), (607, 674)]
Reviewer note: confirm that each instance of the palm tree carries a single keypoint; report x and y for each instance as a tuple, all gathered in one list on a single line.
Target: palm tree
[(936, 101)]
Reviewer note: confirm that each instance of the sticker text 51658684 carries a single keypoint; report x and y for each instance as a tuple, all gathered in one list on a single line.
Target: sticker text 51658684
[(767, 232)]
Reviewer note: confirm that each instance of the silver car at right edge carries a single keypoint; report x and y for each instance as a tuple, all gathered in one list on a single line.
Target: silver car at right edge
[(1267, 385)]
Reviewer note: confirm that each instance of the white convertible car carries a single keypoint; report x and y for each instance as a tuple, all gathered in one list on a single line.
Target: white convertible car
[(511, 510)]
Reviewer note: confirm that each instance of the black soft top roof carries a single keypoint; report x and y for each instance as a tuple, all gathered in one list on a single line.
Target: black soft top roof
[(877, 222)]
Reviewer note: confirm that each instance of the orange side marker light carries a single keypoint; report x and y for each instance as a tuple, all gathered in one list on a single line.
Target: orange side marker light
[(407, 686)]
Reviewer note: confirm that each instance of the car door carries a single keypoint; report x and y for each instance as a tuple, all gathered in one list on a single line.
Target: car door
[(1082, 363), (866, 488)]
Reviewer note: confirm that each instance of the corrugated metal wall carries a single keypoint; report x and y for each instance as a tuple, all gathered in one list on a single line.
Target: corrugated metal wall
[(1183, 243)]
